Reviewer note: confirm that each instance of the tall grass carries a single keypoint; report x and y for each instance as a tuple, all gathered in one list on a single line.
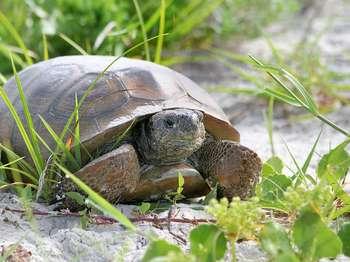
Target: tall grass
[(160, 32), (298, 96), (143, 30), (12, 30)]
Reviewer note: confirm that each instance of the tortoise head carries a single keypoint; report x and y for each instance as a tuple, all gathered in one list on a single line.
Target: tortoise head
[(170, 136)]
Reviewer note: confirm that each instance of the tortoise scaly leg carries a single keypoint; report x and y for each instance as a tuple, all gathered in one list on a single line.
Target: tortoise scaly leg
[(234, 167), (111, 175)]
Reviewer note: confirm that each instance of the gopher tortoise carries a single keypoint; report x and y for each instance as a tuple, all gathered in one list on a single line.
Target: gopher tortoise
[(142, 123)]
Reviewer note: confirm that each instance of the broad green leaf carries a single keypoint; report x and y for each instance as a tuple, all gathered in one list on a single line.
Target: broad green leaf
[(160, 248), (313, 238), (144, 207), (335, 163), (276, 163), (272, 188), (344, 235), (208, 243), (275, 241)]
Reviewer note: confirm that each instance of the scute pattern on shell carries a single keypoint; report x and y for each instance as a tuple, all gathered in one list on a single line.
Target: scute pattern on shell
[(129, 90)]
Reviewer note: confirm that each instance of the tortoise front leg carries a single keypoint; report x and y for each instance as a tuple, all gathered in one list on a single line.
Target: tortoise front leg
[(234, 167), (111, 175)]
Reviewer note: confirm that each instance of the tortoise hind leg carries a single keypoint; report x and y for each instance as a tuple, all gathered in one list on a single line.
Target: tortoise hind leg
[(111, 175), (234, 167)]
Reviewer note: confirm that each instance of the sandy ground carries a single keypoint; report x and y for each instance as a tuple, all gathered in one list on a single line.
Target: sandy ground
[(56, 238)]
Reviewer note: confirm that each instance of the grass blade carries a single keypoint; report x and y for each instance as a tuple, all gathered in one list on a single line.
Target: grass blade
[(311, 153), (3, 79), (62, 146), (103, 204), (22, 172), (308, 103), (161, 31), (142, 25), (155, 17), (45, 49), (22, 129), (73, 44), (103, 34), (22, 163), (29, 120), (6, 51), (76, 139), (15, 184), (194, 17), (13, 32), (300, 176), (281, 96)]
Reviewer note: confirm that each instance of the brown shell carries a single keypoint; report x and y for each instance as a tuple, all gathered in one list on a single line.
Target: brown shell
[(129, 89)]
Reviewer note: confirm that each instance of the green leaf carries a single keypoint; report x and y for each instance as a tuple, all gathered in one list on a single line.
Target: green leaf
[(77, 197), (84, 218), (313, 238), (275, 241), (208, 243), (276, 163), (213, 194), (181, 182), (335, 163), (160, 248), (344, 235), (272, 188), (144, 207)]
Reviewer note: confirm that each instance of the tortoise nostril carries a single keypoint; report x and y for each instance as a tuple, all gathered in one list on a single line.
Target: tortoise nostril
[(169, 123)]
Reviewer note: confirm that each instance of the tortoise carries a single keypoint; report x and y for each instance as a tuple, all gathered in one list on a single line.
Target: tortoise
[(143, 123)]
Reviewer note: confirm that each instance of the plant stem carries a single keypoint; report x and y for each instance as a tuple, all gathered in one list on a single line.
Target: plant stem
[(333, 125), (233, 250)]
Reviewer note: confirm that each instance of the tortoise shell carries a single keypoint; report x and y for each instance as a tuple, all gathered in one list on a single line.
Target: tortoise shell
[(129, 90)]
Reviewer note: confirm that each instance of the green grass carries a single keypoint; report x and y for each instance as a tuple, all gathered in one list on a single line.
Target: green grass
[(298, 96), (110, 28)]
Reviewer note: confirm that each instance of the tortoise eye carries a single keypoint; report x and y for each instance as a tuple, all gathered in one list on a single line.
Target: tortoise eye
[(169, 123)]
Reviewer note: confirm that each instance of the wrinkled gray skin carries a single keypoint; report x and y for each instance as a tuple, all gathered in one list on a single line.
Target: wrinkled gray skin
[(170, 136)]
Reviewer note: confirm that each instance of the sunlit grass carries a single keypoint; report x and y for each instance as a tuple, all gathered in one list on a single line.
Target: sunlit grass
[(298, 96), (75, 45), (16, 36), (143, 30)]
